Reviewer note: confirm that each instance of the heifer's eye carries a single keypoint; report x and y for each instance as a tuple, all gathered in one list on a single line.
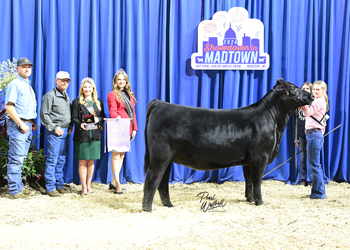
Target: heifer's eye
[(292, 91)]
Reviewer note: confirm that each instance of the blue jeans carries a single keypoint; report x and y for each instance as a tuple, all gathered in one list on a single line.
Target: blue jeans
[(19, 145), (55, 159), (303, 165), (314, 145)]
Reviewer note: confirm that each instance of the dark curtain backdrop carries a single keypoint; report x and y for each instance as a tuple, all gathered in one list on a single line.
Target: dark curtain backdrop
[(153, 41)]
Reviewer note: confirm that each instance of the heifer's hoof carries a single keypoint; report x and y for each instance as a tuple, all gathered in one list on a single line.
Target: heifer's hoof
[(250, 199), (259, 203), (146, 208), (167, 204)]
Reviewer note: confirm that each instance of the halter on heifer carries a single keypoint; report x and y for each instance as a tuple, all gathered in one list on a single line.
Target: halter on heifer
[(297, 100)]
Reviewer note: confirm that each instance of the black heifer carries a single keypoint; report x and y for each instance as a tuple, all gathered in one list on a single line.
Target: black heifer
[(209, 139)]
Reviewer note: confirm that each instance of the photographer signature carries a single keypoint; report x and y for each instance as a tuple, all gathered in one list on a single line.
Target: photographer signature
[(210, 202)]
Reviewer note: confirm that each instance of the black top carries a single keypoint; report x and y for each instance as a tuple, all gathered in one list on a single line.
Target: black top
[(301, 124), (78, 110)]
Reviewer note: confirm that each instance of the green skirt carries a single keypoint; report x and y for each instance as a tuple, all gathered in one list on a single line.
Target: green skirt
[(88, 150)]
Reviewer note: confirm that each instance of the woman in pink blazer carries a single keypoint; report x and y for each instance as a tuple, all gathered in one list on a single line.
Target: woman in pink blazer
[(121, 104)]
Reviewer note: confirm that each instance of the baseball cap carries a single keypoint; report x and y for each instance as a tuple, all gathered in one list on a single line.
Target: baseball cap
[(24, 61), (62, 75)]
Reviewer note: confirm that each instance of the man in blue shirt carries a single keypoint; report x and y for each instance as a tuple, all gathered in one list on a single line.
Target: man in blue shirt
[(20, 104)]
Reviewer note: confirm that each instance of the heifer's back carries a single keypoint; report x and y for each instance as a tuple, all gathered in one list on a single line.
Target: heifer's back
[(207, 139)]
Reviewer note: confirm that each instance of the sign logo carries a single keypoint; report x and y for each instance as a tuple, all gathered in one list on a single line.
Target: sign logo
[(231, 40)]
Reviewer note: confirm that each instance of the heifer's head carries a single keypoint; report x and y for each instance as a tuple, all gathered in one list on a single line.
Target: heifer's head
[(297, 96)]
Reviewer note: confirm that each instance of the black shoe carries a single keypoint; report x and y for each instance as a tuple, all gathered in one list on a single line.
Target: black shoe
[(113, 187), (302, 183), (119, 192)]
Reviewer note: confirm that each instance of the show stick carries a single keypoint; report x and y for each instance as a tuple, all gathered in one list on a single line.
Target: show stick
[(300, 151)]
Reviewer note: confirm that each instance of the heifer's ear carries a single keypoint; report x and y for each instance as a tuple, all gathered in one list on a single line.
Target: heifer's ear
[(282, 87)]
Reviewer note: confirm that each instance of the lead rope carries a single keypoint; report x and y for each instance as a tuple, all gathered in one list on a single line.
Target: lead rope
[(296, 137), (106, 133)]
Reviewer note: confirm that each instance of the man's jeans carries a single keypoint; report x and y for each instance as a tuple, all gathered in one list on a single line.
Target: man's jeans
[(303, 165), (19, 145), (314, 145), (55, 160)]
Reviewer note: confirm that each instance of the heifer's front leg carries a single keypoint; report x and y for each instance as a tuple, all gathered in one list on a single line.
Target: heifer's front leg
[(163, 188), (257, 174), (153, 178), (248, 183)]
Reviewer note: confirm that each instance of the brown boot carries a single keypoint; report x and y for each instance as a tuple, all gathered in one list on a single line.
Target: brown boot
[(54, 193), (25, 194), (63, 191)]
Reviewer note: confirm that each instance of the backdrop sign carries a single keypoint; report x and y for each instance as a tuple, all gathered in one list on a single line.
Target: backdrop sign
[(231, 40), (118, 137)]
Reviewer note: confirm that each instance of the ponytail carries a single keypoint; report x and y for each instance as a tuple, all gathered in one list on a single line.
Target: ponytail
[(323, 85)]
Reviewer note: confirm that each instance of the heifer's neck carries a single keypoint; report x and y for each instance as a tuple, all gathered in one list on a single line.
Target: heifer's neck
[(276, 107)]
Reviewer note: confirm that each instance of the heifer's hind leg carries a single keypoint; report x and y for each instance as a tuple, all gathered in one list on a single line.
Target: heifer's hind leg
[(163, 188), (154, 176), (248, 183)]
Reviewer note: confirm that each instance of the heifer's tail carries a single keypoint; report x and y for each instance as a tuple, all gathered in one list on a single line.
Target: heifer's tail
[(150, 107)]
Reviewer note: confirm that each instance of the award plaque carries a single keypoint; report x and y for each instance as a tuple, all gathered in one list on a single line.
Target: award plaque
[(90, 122)]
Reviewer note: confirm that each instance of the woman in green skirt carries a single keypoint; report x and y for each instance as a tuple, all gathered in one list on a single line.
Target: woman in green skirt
[(87, 116)]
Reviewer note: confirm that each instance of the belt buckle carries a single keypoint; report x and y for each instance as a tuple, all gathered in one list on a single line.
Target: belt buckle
[(310, 130), (26, 120)]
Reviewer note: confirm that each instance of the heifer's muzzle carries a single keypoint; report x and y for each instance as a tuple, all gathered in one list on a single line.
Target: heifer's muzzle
[(298, 100), (307, 100)]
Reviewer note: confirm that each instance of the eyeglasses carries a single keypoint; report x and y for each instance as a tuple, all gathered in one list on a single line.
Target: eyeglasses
[(65, 80)]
